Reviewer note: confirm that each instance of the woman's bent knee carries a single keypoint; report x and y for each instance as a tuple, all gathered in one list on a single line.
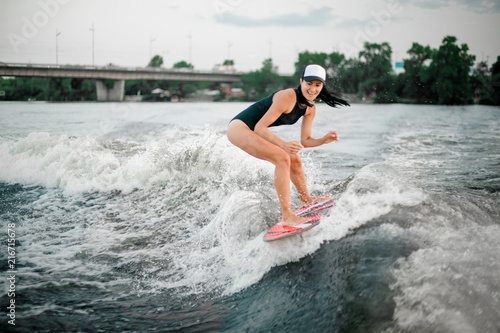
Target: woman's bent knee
[(295, 161), (282, 160)]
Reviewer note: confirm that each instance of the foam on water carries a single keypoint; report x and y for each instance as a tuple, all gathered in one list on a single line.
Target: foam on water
[(451, 282), (216, 201), (86, 164), (231, 252), (153, 208)]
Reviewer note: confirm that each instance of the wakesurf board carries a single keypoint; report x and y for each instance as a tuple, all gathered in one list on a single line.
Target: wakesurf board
[(313, 211)]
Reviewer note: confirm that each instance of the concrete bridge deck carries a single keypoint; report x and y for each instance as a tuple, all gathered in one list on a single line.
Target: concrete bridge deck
[(120, 74)]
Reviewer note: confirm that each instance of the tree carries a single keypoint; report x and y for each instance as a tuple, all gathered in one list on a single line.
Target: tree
[(335, 61), (449, 73), (480, 82), (415, 67), (377, 75), (349, 75), (23, 89), (156, 61), (83, 90), (183, 64), (307, 58), (330, 62), (495, 82), (259, 84), (58, 89)]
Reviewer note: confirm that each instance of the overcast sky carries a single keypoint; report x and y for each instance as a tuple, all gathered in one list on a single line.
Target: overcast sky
[(206, 32)]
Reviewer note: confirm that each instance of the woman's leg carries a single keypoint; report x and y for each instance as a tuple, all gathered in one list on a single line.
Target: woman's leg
[(298, 178), (241, 136)]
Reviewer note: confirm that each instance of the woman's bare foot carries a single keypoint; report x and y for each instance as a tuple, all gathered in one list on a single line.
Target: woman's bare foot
[(294, 220), (312, 200)]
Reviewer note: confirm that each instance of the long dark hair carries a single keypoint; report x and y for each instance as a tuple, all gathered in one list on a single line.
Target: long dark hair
[(331, 98), (326, 95)]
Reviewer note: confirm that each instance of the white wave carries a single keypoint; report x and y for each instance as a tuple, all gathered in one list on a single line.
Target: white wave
[(206, 179), (86, 164), (71, 163), (451, 283), (234, 256)]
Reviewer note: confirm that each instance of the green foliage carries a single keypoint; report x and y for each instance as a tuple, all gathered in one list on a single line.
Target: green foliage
[(485, 83), (49, 89), (110, 84), (430, 76), (259, 84), (412, 80), (177, 88), (449, 73), (377, 77), (156, 61), (183, 64), (441, 76), (495, 82), (481, 84), (371, 74), (349, 75), (335, 61), (85, 91), (331, 62), (307, 58), (22, 89)]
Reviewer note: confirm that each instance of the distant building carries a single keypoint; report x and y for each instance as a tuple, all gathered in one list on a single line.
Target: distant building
[(236, 93), (223, 68), (232, 92)]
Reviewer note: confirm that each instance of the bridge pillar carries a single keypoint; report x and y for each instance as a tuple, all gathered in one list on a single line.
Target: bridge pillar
[(106, 94)]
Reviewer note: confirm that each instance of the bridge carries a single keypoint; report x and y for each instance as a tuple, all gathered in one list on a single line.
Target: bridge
[(118, 74)]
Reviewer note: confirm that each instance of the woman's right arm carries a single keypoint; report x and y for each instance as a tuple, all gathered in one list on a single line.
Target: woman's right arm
[(282, 101)]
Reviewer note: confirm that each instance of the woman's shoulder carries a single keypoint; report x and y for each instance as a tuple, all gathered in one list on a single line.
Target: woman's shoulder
[(285, 96)]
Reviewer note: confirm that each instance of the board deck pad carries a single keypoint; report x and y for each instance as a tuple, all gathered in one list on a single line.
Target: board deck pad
[(314, 208), (314, 212)]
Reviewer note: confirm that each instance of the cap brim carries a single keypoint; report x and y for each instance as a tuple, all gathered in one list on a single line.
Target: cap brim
[(313, 78)]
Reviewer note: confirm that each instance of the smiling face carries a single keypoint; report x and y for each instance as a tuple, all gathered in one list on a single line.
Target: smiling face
[(311, 89)]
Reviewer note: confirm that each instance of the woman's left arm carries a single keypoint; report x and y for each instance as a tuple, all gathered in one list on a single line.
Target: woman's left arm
[(305, 136)]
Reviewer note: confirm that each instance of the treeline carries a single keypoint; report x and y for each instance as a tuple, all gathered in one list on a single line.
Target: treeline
[(431, 76), (47, 89), (72, 89), (175, 88)]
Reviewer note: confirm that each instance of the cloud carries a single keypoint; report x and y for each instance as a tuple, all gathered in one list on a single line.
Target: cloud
[(350, 23), (315, 17), (477, 6)]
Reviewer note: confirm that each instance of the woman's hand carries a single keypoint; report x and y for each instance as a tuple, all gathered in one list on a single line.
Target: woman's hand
[(292, 147), (330, 137)]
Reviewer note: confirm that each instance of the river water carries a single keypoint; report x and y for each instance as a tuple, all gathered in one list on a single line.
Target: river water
[(138, 217)]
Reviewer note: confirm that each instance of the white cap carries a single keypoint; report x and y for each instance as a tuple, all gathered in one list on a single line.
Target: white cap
[(314, 72)]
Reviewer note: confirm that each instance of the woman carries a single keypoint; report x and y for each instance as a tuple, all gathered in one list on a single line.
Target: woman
[(249, 131)]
